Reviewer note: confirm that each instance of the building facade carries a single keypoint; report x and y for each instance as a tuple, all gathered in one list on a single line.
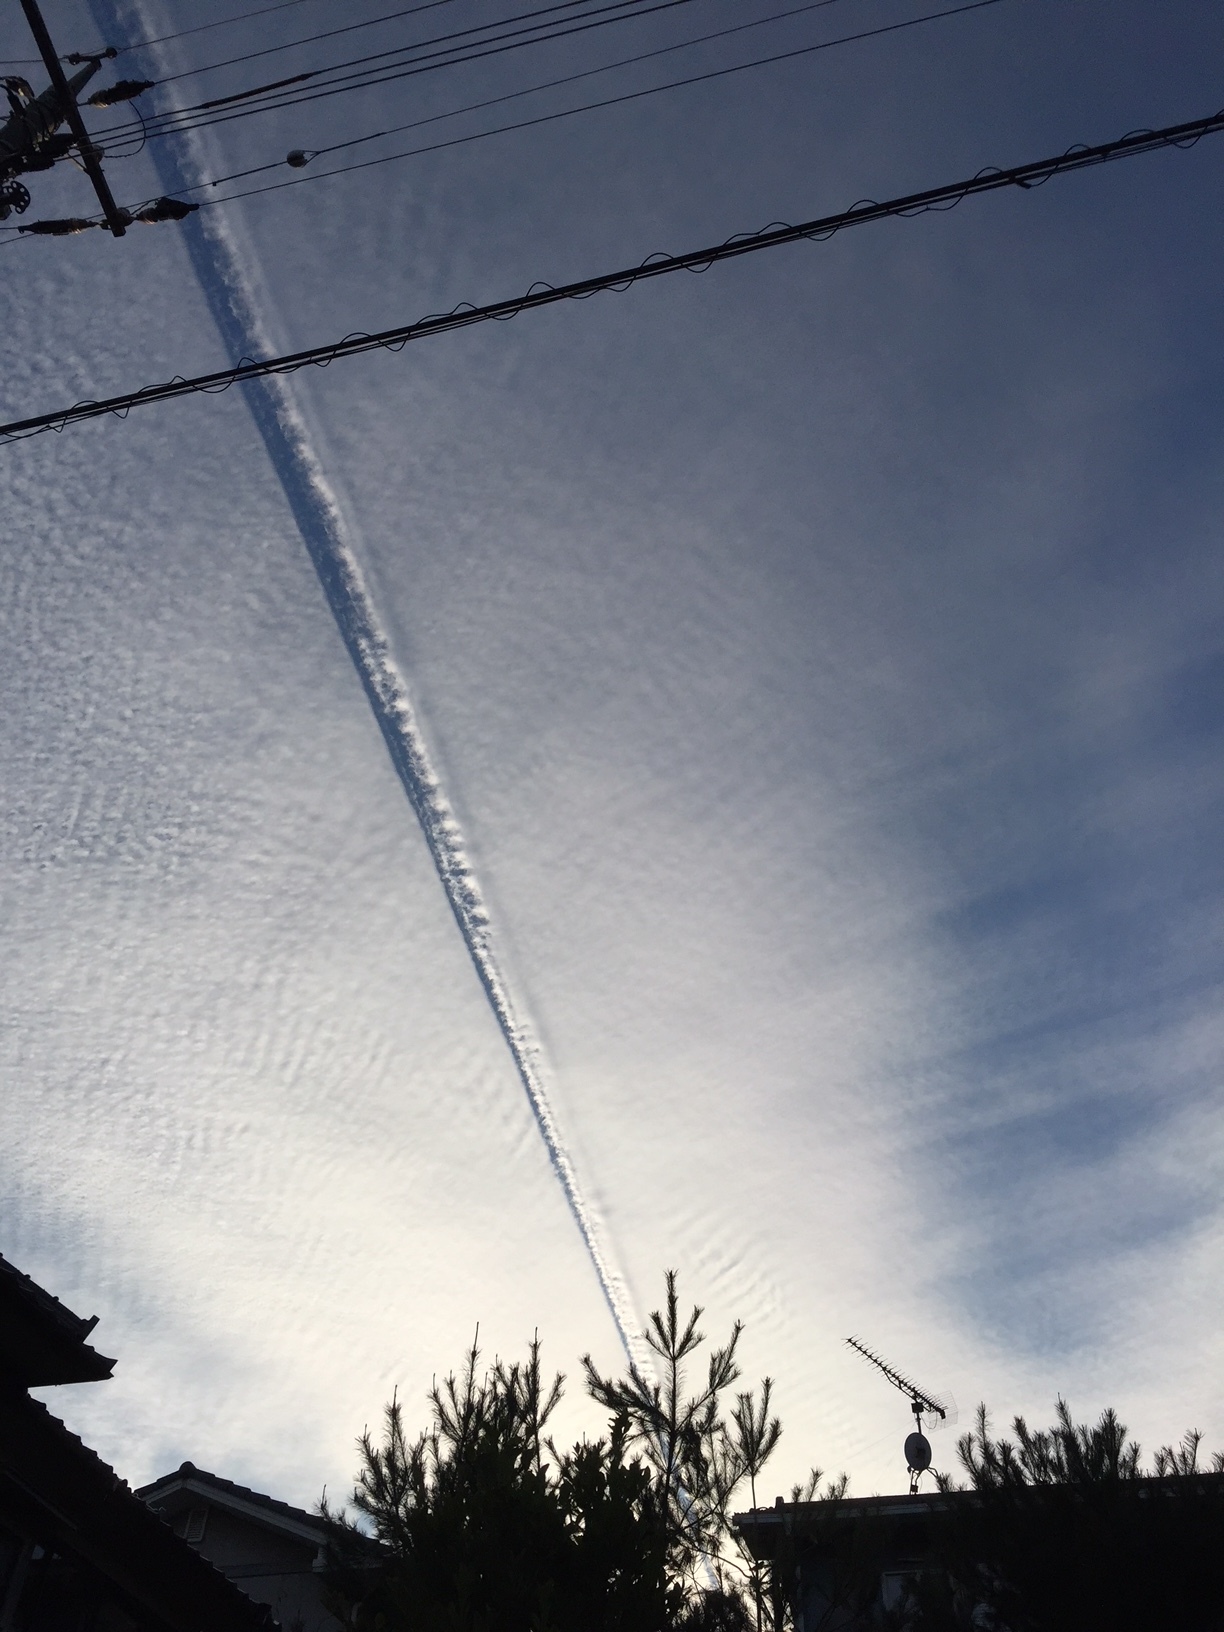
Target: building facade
[(274, 1552)]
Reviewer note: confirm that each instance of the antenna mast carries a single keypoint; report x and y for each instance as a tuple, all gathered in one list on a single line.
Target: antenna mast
[(917, 1445)]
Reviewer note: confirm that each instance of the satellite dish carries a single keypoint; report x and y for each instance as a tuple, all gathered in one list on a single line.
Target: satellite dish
[(917, 1453)]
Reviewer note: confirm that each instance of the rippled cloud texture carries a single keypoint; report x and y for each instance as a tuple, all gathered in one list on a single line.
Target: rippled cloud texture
[(823, 662)]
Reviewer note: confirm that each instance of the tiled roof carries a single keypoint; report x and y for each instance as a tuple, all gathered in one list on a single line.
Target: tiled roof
[(78, 1504), (241, 1498), (41, 1340), (75, 1325), (227, 1487)]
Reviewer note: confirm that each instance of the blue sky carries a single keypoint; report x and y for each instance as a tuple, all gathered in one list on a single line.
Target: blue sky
[(822, 658)]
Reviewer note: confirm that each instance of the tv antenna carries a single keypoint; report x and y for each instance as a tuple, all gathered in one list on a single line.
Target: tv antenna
[(917, 1445)]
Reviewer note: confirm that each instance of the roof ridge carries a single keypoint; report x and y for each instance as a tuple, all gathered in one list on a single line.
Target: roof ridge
[(80, 1325), (188, 1470), (42, 1341)]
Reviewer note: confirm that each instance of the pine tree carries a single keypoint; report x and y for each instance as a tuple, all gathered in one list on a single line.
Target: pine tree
[(486, 1528), (701, 1455)]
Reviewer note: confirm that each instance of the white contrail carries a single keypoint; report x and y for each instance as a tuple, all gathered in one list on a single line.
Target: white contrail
[(328, 538)]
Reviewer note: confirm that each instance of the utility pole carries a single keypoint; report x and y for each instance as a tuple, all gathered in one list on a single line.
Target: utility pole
[(90, 155)]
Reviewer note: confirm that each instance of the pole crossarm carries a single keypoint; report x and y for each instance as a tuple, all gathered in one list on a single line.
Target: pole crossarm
[(1025, 176), (90, 155)]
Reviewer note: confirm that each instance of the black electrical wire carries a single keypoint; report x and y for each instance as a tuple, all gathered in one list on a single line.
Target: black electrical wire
[(178, 118), (221, 111), (531, 90), (464, 316), (627, 11), (412, 70), (160, 39), (308, 39), (410, 11), (608, 102), (567, 113), (201, 28), (216, 113)]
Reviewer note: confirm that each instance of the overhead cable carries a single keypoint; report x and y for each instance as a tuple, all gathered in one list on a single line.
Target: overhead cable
[(391, 51), (181, 33), (279, 95), (308, 39), (542, 21), (565, 113), (613, 101), (544, 31), (945, 197), (202, 28), (531, 90), (606, 102)]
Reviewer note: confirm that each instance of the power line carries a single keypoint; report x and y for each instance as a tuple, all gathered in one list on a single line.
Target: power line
[(606, 102), (391, 51), (531, 90), (215, 112), (616, 101), (160, 39), (566, 113), (408, 55), (308, 39), (201, 28), (945, 197)]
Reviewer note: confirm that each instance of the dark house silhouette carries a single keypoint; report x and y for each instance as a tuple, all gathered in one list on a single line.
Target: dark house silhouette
[(79, 1551), (1133, 1554), (845, 1564), (276, 1553)]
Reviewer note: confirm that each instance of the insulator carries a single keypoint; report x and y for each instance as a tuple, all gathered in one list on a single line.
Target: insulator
[(123, 91), (59, 229)]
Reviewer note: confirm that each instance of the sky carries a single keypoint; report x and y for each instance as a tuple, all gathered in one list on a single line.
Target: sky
[(820, 660)]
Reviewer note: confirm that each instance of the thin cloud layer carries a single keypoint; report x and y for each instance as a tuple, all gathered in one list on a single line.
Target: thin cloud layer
[(823, 656)]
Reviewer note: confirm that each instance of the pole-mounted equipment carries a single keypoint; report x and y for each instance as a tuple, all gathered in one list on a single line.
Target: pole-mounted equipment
[(31, 139)]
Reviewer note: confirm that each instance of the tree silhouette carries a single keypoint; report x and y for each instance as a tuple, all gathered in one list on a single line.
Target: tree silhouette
[(700, 1453), (487, 1528)]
